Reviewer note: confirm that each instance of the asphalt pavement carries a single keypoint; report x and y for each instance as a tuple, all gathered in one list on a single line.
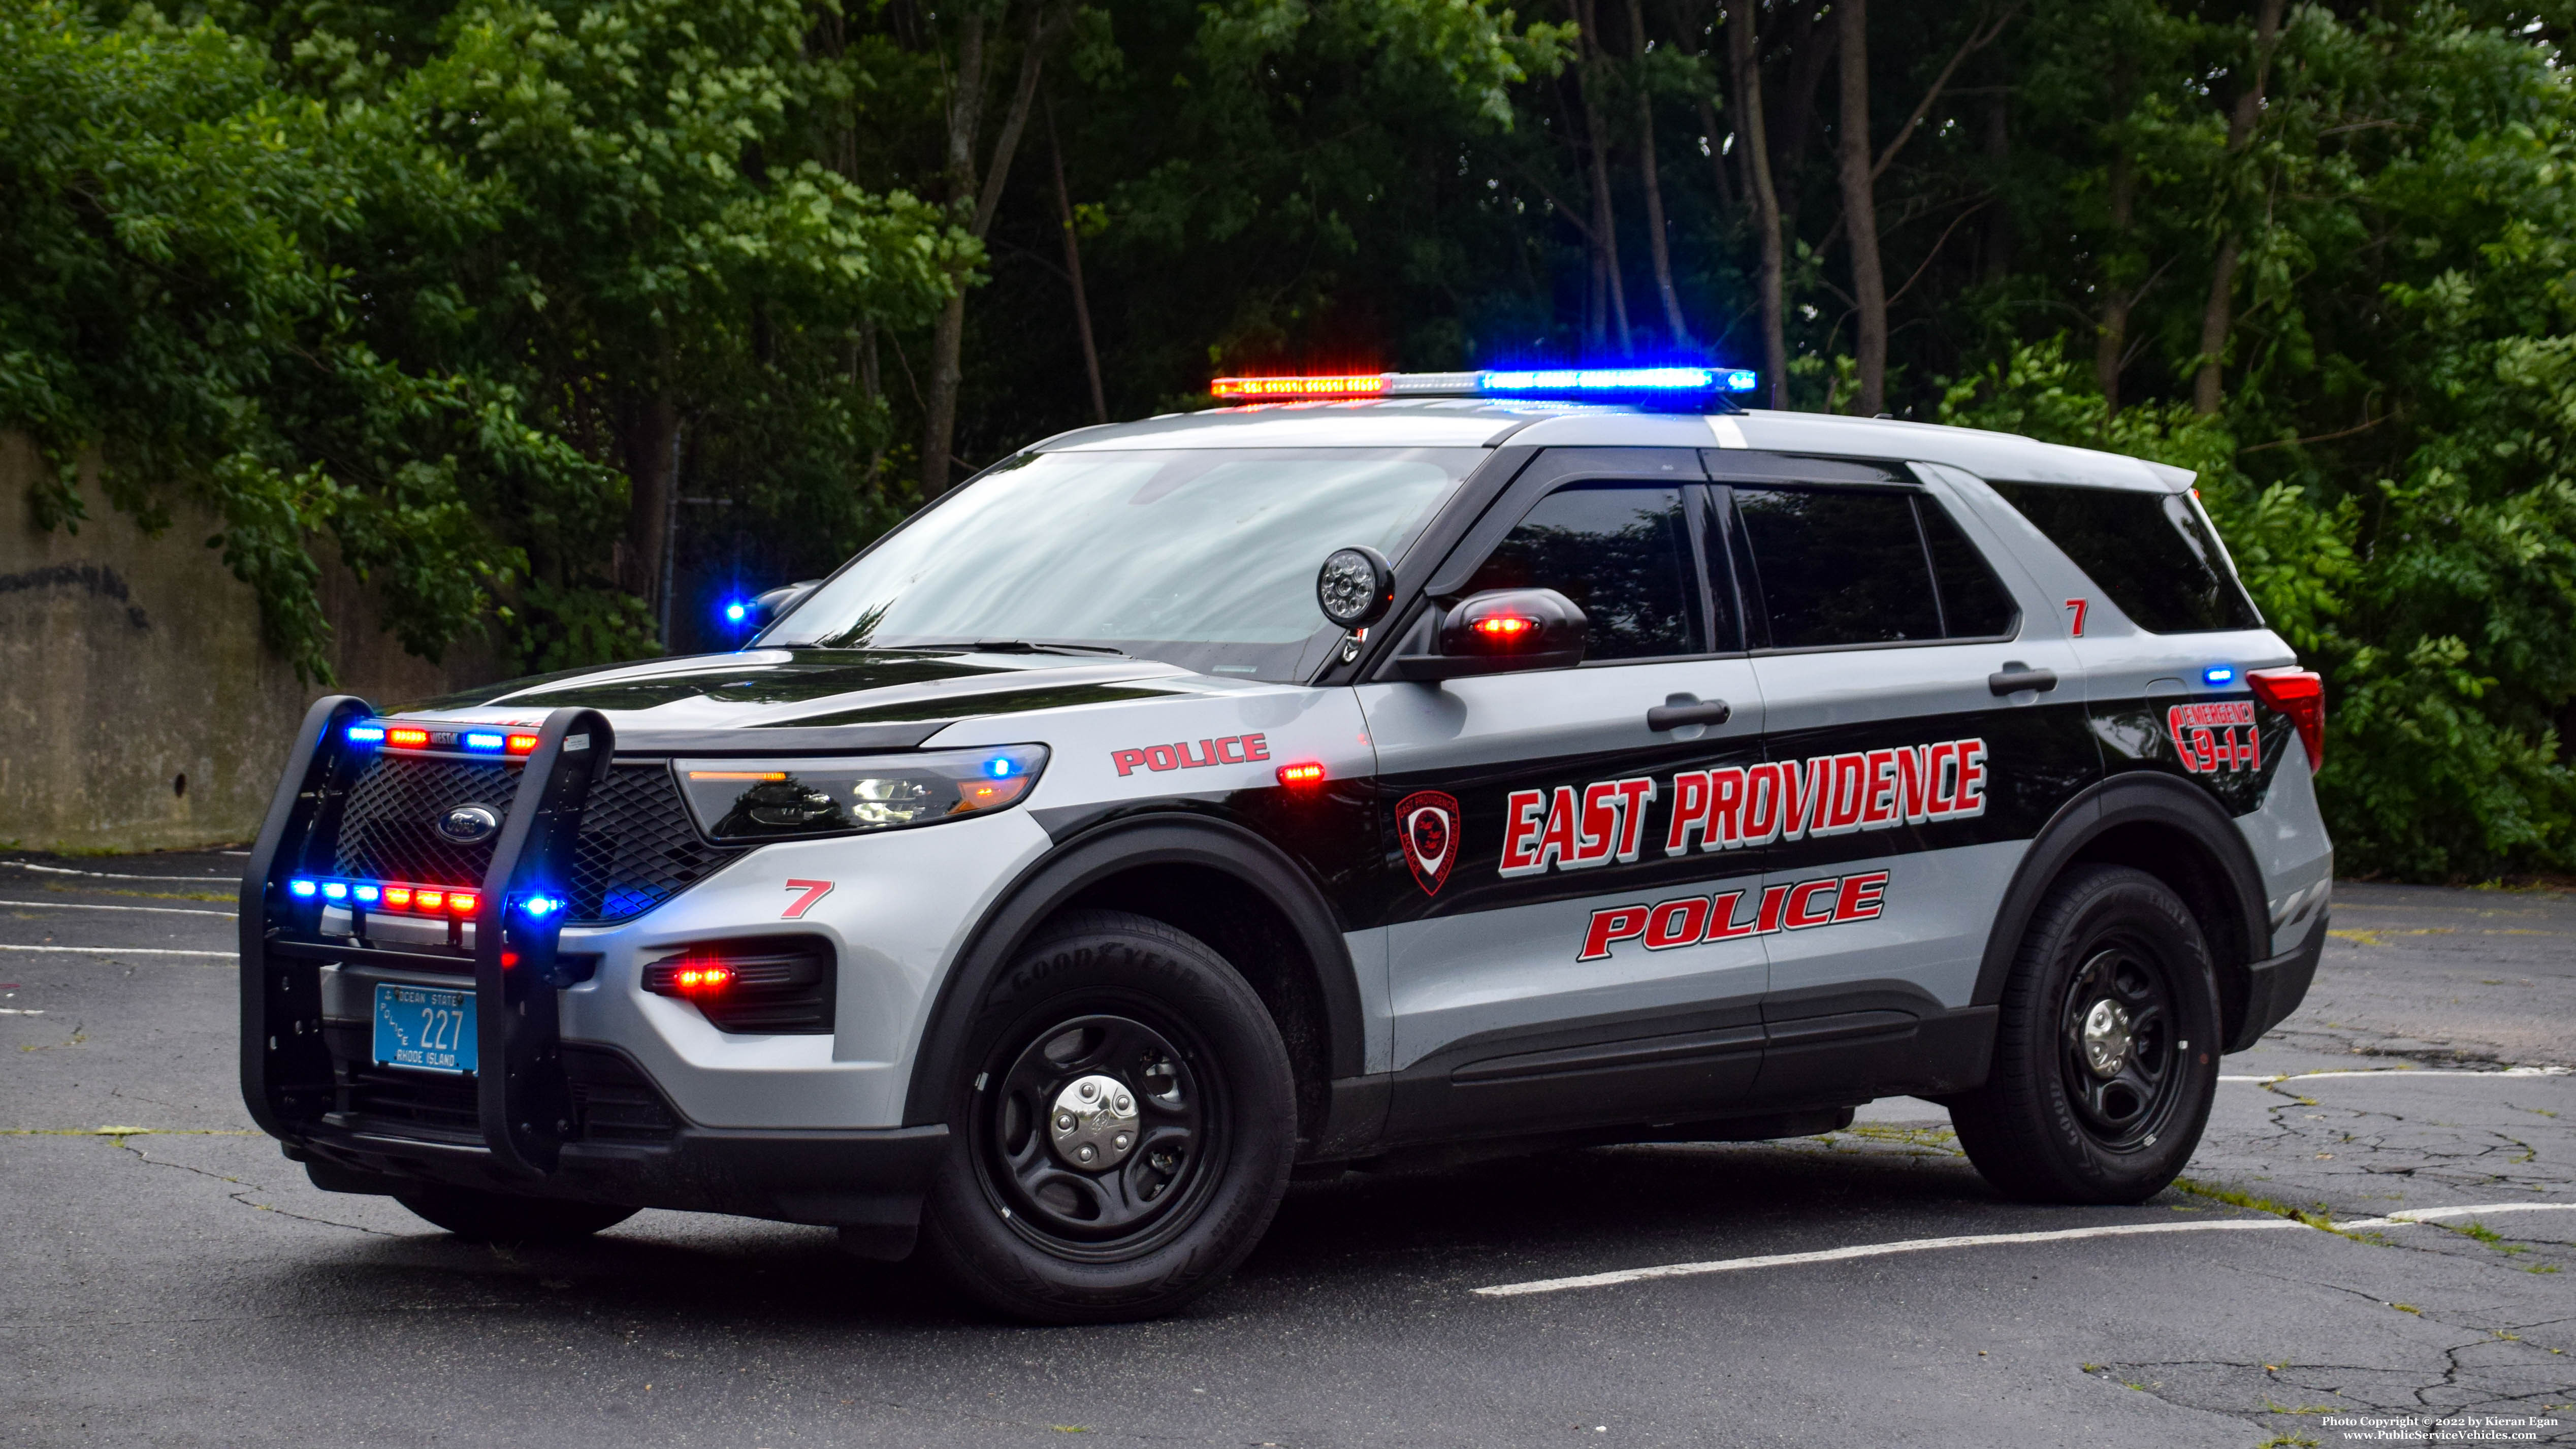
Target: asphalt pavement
[(2376, 1235)]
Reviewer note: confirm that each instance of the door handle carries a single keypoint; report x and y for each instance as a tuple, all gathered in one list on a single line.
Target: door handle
[(2016, 676), (1678, 710)]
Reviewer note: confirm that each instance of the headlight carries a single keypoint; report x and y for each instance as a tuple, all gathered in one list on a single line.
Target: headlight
[(788, 799)]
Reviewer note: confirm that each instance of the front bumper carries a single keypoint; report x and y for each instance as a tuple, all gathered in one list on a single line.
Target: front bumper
[(871, 1180)]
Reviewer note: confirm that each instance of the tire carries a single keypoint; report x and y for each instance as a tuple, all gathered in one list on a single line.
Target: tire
[(1160, 1026), (500, 1217), (2106, 1047)]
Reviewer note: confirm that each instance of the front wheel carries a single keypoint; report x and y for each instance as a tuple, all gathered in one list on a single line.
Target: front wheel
[(1122, 1127), (2106, 1047)]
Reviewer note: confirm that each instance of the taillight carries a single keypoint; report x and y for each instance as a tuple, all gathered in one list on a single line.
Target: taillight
[(2300, 695)]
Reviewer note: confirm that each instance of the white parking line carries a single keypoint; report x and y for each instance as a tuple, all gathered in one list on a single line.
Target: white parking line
[(112, 875), (2407, 1072), (1983, 1240), (86, 906), (119, 951)]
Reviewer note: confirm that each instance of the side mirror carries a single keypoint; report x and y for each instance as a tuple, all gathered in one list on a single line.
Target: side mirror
[(763, 608), (1501, 631), (1355, 587)]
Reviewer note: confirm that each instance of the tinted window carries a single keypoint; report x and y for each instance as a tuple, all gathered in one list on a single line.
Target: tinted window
[(1621, 554), (1973, 604), (1838, 567), (2148, 551)]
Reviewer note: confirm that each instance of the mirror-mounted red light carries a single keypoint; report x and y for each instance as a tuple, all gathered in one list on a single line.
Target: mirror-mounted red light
[(1504, 627), (2300, 696)]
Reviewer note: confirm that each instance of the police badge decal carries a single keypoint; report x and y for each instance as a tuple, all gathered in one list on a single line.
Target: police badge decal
[(1426, 821)]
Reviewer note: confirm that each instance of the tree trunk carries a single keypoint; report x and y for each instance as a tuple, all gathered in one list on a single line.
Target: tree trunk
[(1860, 207), (2111, 339), (2216, 318), (1657, 245), (965, 119), (1073, 273), (1605, 229), (1744, 57), (647, 437)]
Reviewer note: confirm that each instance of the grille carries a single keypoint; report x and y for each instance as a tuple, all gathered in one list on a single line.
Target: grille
[(637, 846), (613, 1101)]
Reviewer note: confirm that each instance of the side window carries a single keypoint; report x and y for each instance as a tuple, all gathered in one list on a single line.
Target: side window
[(2148, 551), (1839, 567), (1622, 553), (1973, 604)]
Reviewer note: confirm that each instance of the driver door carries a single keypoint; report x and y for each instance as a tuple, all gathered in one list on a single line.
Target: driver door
[(1530, 821)]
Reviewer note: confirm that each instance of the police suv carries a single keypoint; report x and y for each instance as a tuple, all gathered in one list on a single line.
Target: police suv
[(1380, 770)]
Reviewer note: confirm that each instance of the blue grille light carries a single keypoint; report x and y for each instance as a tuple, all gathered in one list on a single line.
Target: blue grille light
[(365, 734), (2218, 674), (538, 907), (483, 740), (335, 890), (301, 887)]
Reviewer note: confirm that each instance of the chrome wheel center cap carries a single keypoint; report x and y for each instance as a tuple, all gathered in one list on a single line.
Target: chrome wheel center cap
[(2106, 1038), (1093, 1123)]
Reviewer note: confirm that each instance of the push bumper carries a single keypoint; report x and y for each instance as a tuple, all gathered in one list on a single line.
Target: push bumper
[(2274, 988), (868, 1180)]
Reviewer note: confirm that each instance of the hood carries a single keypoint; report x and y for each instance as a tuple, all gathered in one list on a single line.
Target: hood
[(804, 699)]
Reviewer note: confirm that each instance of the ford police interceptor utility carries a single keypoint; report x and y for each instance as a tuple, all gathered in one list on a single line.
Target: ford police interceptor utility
[(1382, 770)]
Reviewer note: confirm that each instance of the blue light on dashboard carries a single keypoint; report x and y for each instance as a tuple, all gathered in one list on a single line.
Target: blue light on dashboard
[(367, 894), (736, 611), (2218, 674), (365, 734), (302, 887), (484, 740), (335, 890)]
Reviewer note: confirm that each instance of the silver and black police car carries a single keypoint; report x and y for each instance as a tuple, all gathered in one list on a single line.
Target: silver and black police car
[(1052, 883)]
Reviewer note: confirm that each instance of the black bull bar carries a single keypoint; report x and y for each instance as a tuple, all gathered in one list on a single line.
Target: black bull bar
[(867, 1181)]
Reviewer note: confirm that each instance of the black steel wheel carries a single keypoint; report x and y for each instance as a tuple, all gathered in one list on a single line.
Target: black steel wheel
[(2106, 1046), (1121, 1129), (1099, 1137)]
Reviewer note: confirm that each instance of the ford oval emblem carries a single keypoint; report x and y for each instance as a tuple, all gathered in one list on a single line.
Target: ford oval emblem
[(470, 824)]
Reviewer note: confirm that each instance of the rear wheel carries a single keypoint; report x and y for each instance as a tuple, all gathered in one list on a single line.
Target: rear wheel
[(1122, 1127), (2106, 1047), (500, 1217)]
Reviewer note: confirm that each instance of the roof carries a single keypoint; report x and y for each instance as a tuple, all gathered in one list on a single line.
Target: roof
[(1475, 422)]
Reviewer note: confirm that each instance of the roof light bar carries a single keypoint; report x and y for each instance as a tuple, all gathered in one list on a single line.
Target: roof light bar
[(1712, 383)]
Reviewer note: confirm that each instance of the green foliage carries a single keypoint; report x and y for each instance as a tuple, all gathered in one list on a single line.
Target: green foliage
[(469, 290)]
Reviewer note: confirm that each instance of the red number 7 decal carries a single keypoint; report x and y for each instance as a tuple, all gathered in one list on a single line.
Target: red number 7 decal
[(814, 891), (2076, 607)]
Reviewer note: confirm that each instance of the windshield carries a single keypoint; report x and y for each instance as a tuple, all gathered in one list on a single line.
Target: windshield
[(1200, 557)]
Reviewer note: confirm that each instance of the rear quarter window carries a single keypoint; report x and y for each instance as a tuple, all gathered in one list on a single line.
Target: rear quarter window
[(2150, 552)]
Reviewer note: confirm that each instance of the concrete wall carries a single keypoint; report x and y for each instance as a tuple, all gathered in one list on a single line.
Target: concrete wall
[(138, 708)]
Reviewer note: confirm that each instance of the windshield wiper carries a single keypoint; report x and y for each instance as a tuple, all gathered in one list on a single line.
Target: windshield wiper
[(1013, 646)]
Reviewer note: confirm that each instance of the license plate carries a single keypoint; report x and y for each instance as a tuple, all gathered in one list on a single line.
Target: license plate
[(424, 1028)]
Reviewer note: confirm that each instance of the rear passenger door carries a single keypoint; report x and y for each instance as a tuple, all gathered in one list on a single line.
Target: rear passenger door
[(1532, 859), (1922, 721)]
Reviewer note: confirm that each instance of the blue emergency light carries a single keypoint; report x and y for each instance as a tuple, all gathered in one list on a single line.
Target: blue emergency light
[(1704, 386)]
